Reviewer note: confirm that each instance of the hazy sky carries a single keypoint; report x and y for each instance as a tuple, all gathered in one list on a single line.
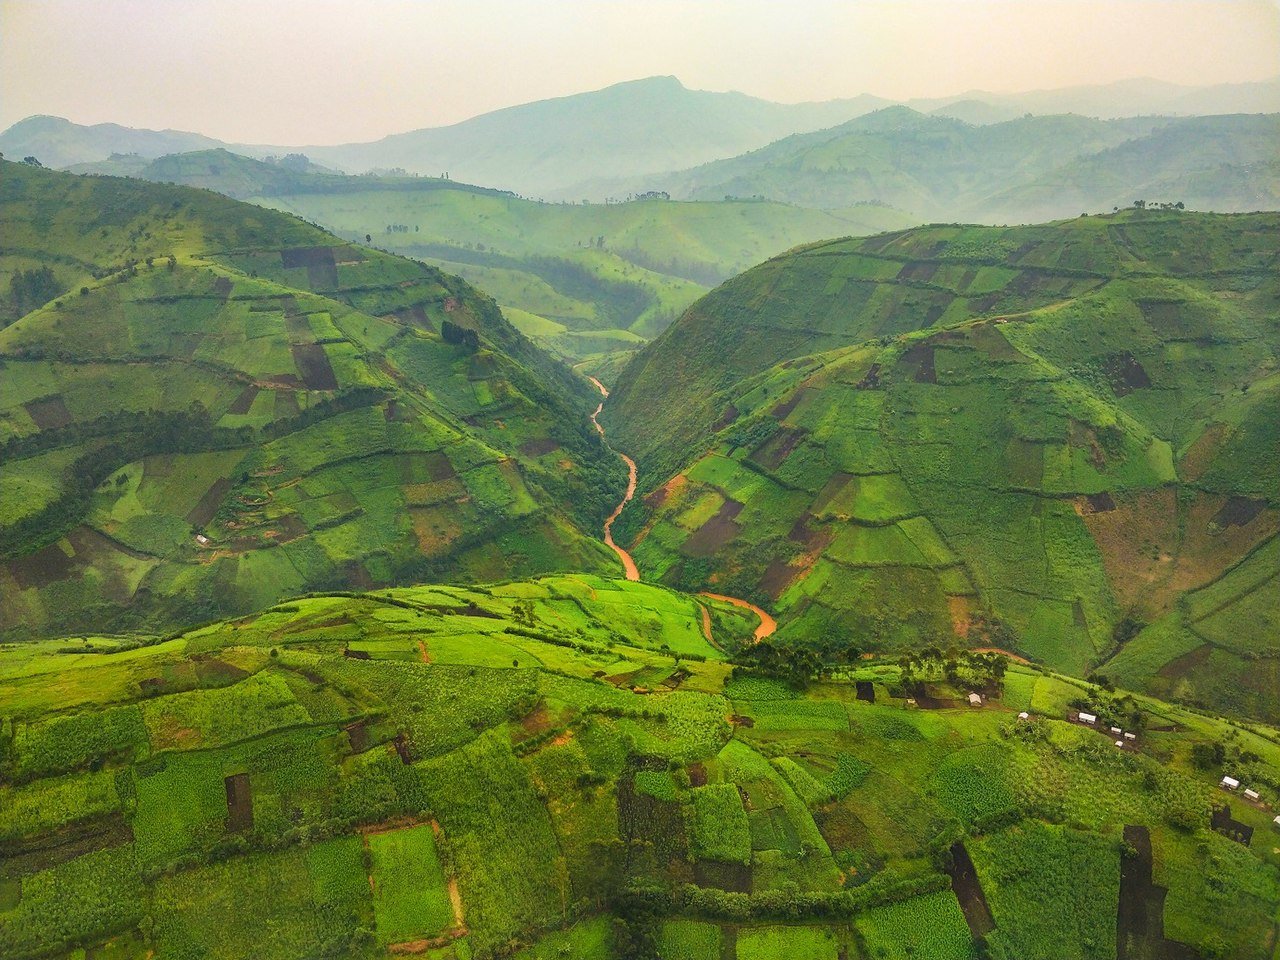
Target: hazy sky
[(316, 71)]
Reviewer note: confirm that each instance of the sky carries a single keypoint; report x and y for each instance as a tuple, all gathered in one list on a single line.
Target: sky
[(323, 71)]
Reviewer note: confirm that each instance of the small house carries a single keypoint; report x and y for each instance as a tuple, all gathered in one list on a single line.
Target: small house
[(975, 700), (1088, 718), (1120, 744), (1024, 715), (1116, 731), (1252, 794), (201, 539), (1131, 736), (1229, 783), (1276, 821)]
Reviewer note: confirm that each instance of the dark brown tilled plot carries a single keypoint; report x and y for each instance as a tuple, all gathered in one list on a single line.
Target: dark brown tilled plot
[(32, 854), (730, 414), (48, 413), (47, 565), (866, 690), (357, 736), (1238, 512), (244, 401), (322, 269), (204, 511), (1099, 503), (1179, 667), (1140, 913), (777, 577), (921, 356), (872, 379), (777, 448), (973, 902), (1228, 826), (222, 287), (313, 363), (716, 532), (916, 270), (1125, 373), (239, 802), (782, 410), (931, 316), (539, 447)]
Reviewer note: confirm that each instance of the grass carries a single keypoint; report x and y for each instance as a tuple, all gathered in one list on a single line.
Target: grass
[(979, 436)]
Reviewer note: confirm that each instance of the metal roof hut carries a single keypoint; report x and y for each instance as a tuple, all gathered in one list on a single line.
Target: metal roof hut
[(975, 700)]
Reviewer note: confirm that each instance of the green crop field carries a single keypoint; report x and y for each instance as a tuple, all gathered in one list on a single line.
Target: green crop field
[(1057, 440), (565, 767), (227, 406)]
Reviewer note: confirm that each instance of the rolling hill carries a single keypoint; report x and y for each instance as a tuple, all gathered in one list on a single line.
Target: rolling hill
[(1057, 439), (586, 281), (220, 405), (1035, 167), (569, 767)]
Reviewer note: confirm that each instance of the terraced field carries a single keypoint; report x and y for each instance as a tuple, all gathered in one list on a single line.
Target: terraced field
[(243, 408), (1059, 440), (569, 766)]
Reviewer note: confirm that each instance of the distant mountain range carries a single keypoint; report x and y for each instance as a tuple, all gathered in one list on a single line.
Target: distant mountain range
[(1028, 169), (640, 127)]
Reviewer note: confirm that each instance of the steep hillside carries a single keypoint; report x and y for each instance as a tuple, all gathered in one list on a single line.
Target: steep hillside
[(939, 168), (567, 767), (581, 279), (243, 407), (1041, 438)]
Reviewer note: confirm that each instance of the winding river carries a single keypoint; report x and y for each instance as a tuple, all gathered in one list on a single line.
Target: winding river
[(767, 624)]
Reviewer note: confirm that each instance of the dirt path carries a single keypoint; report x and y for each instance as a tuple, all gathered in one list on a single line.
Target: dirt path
[(422, 651), (767, 623), (628, 564)]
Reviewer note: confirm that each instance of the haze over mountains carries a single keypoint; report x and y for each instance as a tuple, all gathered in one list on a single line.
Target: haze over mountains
[(548, 147)]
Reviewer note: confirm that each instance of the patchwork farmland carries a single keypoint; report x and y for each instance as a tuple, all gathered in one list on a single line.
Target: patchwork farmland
[(568, 766)]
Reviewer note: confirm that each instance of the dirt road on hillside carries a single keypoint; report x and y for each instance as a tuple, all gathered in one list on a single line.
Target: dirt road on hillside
[(767, 624)]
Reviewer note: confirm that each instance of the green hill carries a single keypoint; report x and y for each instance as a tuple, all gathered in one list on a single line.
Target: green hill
[(582, 280), (225, 405), (1039, 438), (567, 767), (1034, 167)]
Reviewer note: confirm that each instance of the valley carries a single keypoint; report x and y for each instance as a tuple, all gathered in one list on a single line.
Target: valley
[(543, 513)]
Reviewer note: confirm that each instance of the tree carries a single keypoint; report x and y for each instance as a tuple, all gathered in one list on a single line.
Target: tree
[(33, 288), (460, 336), (32, 161)]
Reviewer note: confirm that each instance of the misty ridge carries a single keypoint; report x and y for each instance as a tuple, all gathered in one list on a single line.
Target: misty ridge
[(976, 156)]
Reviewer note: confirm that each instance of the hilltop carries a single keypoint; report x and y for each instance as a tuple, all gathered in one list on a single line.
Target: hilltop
[(211, 405), (569, 766), (1058, 439)]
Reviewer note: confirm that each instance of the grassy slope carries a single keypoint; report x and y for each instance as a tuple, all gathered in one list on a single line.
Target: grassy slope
[(556, 785), (353, 444), (1130, 359), (598, 270)]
